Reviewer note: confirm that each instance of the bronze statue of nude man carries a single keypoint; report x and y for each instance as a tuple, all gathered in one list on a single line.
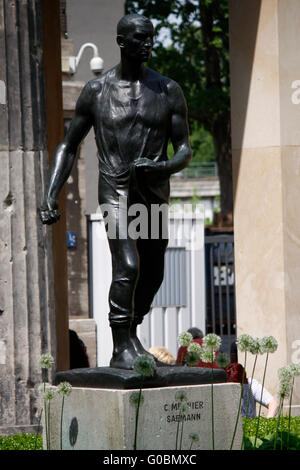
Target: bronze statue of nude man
[(134, 111)]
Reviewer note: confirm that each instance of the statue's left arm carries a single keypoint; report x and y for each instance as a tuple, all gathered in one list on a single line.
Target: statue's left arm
[(179, 130), (179, 135)]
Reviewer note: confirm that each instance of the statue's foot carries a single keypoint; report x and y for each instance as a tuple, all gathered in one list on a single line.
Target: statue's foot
[(140, 350), (138, 347), (124, 359)]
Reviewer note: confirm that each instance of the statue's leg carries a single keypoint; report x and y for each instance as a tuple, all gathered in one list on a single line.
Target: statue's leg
[(125, 269), (125, 264), (151, 253)]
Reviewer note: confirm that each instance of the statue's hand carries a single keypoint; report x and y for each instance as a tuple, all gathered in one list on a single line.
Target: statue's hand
[(152, 167), (49, 212)]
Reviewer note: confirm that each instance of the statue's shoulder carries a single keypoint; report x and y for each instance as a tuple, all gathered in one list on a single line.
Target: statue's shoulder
[(95, 85), (167, 83)]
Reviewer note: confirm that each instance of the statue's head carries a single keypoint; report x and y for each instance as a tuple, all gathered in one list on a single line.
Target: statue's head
[(135, 37)]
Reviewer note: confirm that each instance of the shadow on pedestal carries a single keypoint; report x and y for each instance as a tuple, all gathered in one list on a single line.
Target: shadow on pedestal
[(108, 377)]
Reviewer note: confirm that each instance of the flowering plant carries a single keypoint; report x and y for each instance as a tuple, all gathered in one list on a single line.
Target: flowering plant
[(185, 339)]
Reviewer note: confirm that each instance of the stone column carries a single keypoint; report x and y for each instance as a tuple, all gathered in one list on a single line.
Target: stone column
[(27, 321), (264, 64)]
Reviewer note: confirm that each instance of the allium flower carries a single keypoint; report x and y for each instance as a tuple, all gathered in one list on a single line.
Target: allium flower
[(185, 338), (180, 395), (183, 408), (136, 398), (194, 352), (269, 344), (284, 389), (194, 437), (208, 356), (285, 374), (192, 358), (47, 391), (64, 388), (222, 360), (244, 342), (195, 348), (46, 361), (255, 346), (295, 369), (145, 365), (212, 342)]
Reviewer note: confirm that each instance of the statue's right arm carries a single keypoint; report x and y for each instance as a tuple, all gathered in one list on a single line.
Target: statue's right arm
[(65, 154)]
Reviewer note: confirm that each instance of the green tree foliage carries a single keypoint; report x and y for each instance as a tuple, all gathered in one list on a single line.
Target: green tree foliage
[(197, 57)]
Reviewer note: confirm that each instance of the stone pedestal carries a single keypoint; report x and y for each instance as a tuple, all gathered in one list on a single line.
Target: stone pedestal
[(104, 419)]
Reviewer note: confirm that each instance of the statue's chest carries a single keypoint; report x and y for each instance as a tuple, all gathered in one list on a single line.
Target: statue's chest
[(123, 106)]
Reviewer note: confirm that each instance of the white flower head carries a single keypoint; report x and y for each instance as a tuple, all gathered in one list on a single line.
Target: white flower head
[(255, 346), (195, 348), (285, 374), (185, 339), (144, 365), (295, 369), (244, 343), (208, 356), (222, 360), (194, 437), (136, 398), (284, 389), (183, 408), (180, 395), (47, 391), (212, 342), (194, 354), (46, 361), (64, 388), (269, 344)]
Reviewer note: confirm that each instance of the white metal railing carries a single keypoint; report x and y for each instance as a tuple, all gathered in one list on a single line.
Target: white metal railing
[(199, 170)]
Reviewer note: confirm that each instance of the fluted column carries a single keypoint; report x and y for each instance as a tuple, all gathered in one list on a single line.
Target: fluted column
[(27, 320)]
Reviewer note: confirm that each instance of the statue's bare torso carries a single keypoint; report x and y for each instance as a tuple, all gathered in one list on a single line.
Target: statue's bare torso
[(131, 120)]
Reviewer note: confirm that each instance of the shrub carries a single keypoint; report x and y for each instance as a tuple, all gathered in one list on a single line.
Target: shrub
[(267, 433), (21, 442)]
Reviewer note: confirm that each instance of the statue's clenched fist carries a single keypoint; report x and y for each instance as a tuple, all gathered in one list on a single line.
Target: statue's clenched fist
[(49, 213)]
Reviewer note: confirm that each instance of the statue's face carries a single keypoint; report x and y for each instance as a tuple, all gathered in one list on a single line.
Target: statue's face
[(137, 42)]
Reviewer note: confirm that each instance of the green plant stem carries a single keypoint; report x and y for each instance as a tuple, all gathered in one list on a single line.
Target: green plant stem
[(137, 417), (177, 434), (49, 425), (181, 435), (61, 420), (38, 429), (278, 422), (240, 402), (182, 356), (262, 390), (46, 423), (212, 403), (290, 412), (248, 401)]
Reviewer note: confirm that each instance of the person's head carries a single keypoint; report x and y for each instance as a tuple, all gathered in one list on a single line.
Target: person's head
[(235, 373), (162, 354), (135, 37), (195, 332)]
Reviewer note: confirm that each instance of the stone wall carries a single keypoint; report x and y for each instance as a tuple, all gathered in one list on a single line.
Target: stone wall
[(27, 324)]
